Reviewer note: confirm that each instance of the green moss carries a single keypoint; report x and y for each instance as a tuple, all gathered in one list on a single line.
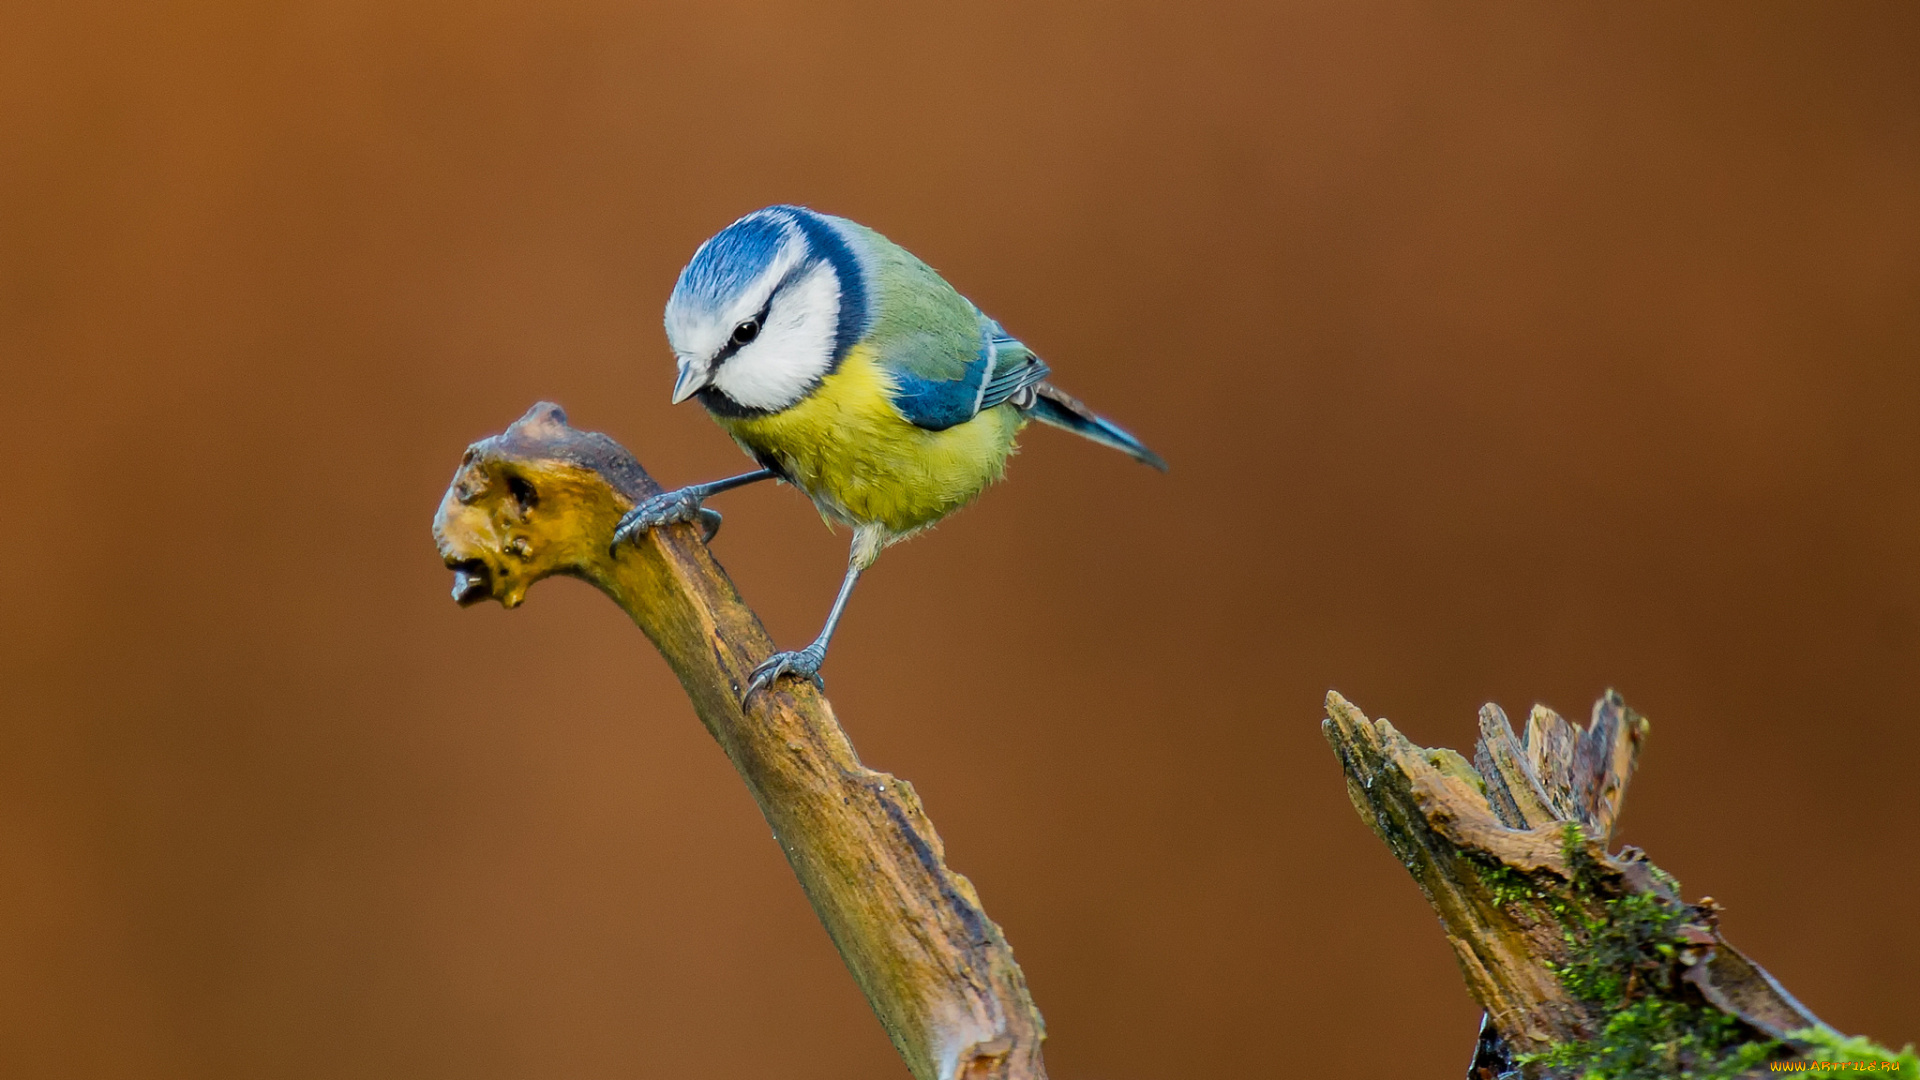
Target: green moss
[(1655, 1038), (1835, 1047), (1629, 947), (1585, 870), (1624, 955), (1506, 885)]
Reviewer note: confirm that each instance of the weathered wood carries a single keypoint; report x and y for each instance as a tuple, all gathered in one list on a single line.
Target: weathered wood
[(1589, 964), (542, 499), (1439, 825)]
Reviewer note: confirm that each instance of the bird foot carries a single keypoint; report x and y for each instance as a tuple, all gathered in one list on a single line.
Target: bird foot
[(804, 663), (666, 508)]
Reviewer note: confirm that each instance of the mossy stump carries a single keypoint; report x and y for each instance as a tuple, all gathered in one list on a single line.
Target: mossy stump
[(1590, 965)]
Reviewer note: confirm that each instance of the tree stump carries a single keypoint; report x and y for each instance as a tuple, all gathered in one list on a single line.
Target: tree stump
[(1590, 965)]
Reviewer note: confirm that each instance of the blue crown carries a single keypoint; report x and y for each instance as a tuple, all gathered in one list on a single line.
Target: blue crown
[(734, 257)]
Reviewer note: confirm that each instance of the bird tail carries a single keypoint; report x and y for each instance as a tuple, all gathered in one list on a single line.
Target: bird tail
[(1053, 406)]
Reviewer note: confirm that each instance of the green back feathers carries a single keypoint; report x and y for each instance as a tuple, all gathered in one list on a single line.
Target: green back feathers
[(918, 322)]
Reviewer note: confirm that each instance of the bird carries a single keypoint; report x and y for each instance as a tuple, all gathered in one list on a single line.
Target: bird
[(849, 369)]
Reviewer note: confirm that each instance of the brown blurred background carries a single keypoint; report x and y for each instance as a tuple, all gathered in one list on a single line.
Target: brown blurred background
[(1502, 354)]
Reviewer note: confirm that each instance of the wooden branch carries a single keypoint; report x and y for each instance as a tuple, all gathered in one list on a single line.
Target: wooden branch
[(1588, 964), (542, 499)]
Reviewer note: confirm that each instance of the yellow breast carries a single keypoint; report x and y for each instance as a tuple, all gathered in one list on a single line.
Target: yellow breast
[(863, 463)]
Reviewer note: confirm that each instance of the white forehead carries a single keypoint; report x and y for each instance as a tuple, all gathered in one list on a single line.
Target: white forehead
[(729, 279)]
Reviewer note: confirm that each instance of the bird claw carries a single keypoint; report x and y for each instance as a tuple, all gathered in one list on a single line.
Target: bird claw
[(666, 508), (804, 663)]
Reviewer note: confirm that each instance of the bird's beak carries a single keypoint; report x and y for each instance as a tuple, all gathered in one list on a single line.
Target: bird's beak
[(693, 376)]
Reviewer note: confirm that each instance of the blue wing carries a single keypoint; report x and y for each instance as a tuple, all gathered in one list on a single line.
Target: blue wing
[(1001, 368)]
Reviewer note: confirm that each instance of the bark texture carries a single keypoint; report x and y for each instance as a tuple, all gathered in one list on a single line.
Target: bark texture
[(543, 498)]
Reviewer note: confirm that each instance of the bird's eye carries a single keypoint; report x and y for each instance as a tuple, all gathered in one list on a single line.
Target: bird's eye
[(746, 331)]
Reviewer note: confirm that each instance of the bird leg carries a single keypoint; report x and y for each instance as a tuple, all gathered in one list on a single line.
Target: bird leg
[(806, 662), (682, 504)]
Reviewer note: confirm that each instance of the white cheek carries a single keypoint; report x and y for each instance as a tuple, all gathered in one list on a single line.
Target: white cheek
[(794, 348)]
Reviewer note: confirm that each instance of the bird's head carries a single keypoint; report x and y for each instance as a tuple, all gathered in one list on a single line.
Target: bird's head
[(765, 310)]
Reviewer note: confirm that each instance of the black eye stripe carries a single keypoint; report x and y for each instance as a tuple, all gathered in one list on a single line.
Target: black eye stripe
[(734, 342)]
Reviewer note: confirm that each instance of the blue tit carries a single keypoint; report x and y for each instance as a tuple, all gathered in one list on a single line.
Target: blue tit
[(849, 369)]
